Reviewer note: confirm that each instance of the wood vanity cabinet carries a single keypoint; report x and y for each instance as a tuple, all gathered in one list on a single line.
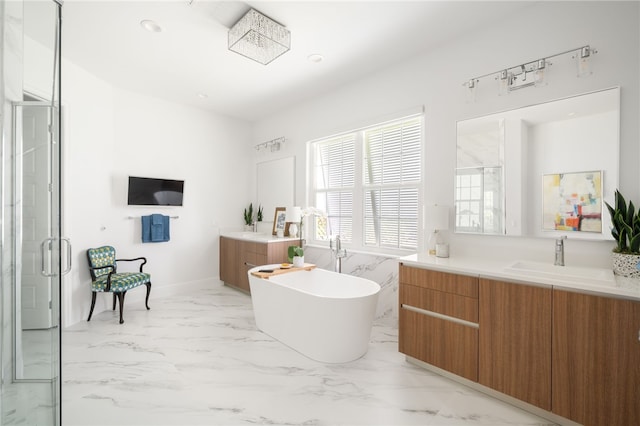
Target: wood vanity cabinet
[(438, 319), (238, 256), (573, 354), (229, 260), (515, 340), (250, 254), (596, 359)]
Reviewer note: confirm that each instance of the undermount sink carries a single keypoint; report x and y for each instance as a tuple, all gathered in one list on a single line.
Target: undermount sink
[(562, 273), (248, 235), (251, 235)]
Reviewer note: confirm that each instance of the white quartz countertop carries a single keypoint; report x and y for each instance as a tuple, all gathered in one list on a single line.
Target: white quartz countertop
[(255, 236), (596, 281)]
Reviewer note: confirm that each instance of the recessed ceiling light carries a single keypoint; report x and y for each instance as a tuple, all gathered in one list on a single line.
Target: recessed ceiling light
[(315, 58), (150, 26)]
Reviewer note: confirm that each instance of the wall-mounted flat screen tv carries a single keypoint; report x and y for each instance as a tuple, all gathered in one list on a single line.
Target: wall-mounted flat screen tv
[(155, 192)]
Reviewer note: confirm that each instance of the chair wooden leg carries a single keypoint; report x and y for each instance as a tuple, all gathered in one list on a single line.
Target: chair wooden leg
[(93, 304), (146, 301), (121, 299), (114, 301)]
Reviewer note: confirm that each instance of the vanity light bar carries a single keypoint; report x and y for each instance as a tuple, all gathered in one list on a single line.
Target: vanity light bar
[(274, 144), (511, 74)]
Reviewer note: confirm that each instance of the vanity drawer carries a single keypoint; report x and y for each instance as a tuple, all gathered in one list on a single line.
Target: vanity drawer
[(444, 344), (462, 285), (453, 305), (260, 249), (253, 247)]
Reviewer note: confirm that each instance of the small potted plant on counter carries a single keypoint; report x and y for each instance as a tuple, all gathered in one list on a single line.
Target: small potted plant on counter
[(248, 218), (626, 231), (296, 256)]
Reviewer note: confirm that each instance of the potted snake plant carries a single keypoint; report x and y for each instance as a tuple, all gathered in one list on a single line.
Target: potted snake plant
[(248, 218), (626, 232)]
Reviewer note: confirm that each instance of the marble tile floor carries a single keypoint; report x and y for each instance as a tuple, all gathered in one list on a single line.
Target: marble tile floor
[(198, 359), (37, 348)]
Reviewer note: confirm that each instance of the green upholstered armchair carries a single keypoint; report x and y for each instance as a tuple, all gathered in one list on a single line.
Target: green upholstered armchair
[(105, 278)]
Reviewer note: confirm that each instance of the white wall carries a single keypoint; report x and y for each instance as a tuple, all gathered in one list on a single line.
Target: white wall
[(435, 81), (112, 133)]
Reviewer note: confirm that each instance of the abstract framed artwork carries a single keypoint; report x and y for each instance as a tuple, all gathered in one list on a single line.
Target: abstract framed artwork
[(572, 202)]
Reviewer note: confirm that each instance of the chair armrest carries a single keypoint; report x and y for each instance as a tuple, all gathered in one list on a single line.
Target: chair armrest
[(102, 267), (108, 288), (144, 261)]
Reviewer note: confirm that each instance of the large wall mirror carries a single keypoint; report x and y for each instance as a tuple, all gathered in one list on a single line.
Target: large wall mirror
[(542, 170), (275, 185)]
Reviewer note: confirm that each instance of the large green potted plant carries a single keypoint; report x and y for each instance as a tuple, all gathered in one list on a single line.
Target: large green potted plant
[(625, 230)]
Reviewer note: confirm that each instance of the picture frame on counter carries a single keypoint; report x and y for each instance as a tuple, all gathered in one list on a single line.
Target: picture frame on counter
[(279, 221)]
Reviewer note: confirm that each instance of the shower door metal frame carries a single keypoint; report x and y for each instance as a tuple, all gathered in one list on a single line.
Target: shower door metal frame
[(50, 244)]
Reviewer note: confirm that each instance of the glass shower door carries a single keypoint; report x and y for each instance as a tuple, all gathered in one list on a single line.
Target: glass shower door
[(37, 242), (37, 268), (33, 255)]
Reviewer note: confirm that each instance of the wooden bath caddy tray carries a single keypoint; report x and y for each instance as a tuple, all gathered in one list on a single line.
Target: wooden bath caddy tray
[(266, 275)]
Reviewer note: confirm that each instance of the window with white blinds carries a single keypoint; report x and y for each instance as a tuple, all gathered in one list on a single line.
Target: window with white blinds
[(369, 183), (334, 178)]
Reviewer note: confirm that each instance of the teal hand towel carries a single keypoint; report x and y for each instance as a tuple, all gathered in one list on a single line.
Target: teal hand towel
[(155, 228)]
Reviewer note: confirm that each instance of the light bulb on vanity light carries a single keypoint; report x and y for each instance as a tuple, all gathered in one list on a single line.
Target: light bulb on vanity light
[(471, 90), (540, 72), (504, 81), (583, 61)]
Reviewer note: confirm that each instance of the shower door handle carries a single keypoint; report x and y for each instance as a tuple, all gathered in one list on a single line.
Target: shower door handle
[(67, 268), (43, 250)]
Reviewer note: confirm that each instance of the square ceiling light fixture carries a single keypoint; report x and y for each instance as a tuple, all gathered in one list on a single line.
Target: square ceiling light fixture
[(259, 37)]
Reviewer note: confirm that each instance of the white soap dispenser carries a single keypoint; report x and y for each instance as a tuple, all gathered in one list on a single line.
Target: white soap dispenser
[(434, 240), (442, 250), (438, 216)]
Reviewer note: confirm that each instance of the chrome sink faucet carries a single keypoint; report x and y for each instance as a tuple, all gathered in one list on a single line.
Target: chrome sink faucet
[(560, 251)]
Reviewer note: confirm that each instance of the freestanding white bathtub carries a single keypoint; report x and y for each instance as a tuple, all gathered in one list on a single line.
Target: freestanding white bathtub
[(324, 315)]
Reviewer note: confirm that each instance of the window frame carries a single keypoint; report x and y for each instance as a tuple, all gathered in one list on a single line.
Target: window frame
[(487, 216), (360, 190)]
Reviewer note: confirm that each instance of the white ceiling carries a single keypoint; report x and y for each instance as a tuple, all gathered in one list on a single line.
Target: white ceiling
[(190, 56)]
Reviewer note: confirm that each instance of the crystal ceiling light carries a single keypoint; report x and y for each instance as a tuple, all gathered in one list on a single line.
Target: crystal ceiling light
[(259, 37)]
